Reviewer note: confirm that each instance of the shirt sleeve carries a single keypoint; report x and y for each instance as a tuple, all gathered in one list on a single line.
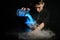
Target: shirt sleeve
[(46, 18)]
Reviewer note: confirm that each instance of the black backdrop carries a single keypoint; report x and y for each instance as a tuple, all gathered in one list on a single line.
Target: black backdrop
[(9, 18), (53, 7)]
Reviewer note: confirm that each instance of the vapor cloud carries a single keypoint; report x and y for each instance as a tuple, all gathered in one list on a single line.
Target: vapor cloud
[(44, 34)]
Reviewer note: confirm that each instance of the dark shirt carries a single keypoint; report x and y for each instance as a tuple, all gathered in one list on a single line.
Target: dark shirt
[(43, 16)]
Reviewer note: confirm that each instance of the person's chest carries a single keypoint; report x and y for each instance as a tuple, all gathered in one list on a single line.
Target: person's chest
[(38, 17)]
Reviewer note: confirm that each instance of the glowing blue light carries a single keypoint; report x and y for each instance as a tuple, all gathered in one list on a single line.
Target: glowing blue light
[(20, 12), (29, 20)]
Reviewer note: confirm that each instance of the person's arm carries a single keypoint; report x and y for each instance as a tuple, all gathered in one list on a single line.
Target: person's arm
[(44, 23), (40, 27)]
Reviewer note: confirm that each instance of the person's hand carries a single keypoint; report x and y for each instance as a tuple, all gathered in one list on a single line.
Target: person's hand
[(22, 11), (25, 9), (40, 27)]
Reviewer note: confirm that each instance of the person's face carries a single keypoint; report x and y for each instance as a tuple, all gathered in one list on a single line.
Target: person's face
[(39, 7)]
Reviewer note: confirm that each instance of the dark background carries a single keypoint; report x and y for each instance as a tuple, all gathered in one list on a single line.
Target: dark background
[(9, 18), (53, 7)]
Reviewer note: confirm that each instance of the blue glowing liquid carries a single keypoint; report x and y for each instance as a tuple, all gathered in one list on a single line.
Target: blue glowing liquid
[(29, 21)]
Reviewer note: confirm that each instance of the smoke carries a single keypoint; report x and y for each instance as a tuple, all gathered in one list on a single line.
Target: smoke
[(44, 34)]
